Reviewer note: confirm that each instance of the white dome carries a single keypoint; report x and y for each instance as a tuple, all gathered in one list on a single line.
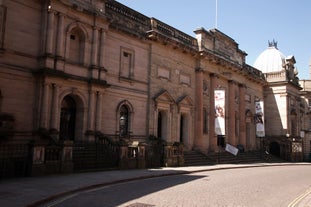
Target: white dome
[(270, 60)]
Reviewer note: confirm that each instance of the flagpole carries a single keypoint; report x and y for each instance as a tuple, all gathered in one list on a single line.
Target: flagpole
[(216, 14)]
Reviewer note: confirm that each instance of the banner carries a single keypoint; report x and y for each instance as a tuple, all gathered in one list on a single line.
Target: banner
[(220, 128), (259, 119)]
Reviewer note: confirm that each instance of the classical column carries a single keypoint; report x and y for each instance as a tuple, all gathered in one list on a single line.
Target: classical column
[(102, 70), (199, 108), (44, 106), (242, 123), (102, 48), (212, 136), (60, 36), (98, 112), (90, 117), (55, 108), (231, 113), (169, 128), (94, 47), (50, 33)]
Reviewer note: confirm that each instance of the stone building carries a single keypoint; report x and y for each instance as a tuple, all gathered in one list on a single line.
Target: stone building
[(76, 71), (306, 120), (284, 107)]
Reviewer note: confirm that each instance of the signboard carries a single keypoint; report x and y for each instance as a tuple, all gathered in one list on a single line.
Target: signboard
[(259, 119), (220, 128), (296, 147), (233, 150)]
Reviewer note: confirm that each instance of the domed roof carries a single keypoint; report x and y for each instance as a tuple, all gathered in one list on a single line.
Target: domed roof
[(270, 60)]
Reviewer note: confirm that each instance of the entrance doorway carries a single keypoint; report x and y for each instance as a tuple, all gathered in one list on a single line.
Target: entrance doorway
[(162, 125), (67, 119), (274, 149)]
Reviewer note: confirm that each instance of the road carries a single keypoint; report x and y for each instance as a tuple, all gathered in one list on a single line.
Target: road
[(259, 186)]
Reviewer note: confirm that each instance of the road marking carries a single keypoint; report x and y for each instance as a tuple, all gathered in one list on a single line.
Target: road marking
[(300, 198)]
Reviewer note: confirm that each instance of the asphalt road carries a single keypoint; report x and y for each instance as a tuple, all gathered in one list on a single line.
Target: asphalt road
[(260, 186)]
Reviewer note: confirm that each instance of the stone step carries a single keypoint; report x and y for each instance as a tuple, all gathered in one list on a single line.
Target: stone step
[(193, 158)]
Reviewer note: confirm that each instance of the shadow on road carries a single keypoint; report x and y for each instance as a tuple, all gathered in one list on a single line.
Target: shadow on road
[(117, 194)]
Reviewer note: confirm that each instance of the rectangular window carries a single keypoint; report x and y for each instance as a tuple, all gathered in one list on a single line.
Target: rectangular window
[(185, 79), (164, 73), (127, 63), (248, 98)]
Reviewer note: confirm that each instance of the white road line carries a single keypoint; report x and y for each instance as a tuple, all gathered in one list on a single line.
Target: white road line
[(300, 198)]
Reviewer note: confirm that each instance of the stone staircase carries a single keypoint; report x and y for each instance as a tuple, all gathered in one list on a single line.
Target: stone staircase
[(243, 157), (194, 158)]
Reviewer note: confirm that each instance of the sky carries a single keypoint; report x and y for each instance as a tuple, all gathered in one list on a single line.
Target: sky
[(251, 23)]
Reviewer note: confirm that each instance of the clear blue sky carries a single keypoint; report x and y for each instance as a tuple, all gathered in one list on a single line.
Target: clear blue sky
[(251, 23)]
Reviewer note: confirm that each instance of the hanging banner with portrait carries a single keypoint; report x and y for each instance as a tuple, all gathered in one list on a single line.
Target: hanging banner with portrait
[(259, 119), (220, 128)]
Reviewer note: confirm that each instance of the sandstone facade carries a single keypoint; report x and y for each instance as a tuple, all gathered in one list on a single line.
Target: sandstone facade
[(74, 68)]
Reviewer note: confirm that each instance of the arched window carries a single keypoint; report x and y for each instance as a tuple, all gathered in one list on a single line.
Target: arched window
[(76, 46), (67, 119), (124, 121)]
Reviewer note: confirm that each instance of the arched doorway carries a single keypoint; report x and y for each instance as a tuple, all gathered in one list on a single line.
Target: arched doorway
[(274, 149), (67, 119)]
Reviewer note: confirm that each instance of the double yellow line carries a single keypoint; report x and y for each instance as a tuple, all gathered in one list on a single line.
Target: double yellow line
[(300, 198)]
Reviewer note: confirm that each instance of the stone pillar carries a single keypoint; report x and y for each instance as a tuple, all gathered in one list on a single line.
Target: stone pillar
[(66, 161), (242, 123), (50, 33), (102, 48), (60, 37), (231, 136), (44, 106), (212, 137), (169, 128), (141, 156), (123, 157), (90, 125), (98, 112), (55, 108), (94, 47), (37, 160), (198, 142), (102, 70)]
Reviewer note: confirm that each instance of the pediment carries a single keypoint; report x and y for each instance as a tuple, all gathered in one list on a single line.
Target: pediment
[(185, 101), (164, 96)]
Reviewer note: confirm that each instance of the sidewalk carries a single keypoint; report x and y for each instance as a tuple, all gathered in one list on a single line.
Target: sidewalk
[(33, 191)]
